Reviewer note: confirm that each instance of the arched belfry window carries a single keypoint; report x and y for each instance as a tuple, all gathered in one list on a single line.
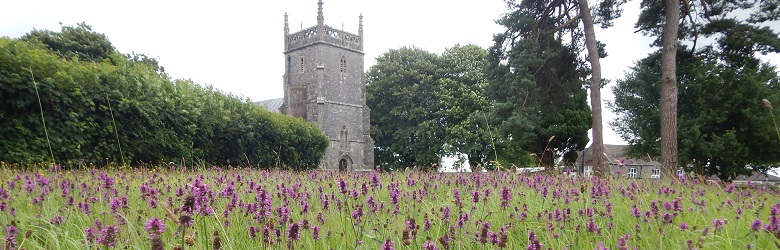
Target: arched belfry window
[(343, 63), (301, 64)]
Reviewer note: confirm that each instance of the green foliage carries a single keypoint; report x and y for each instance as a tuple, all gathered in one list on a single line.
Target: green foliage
[(74, 42), (425, 106), (724, 129), (101, 103), (538, 102), (711, 18)]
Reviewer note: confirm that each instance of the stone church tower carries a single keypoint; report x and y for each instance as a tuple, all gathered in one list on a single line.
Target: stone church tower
[(324, 83)]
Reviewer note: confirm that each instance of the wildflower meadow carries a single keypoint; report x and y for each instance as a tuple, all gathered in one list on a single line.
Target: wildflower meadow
[(247, 208)]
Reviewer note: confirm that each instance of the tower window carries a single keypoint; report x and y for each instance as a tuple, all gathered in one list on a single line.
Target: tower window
[(301, 64), (344, 138), (343, 63)]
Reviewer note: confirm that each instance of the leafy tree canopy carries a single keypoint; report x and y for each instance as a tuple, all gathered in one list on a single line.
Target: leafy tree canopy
[(538, 102), (721, 124), (724, 128), (426, 106)]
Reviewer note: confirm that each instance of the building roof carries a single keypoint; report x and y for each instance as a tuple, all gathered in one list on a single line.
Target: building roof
[(272, 105), (614, 154), (758, 177)]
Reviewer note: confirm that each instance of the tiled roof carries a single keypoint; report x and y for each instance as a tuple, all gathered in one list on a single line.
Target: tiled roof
[(614, 153), (758, 177), (272, 105)]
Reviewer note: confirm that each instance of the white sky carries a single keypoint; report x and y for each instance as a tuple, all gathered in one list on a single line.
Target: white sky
[(237, 46)]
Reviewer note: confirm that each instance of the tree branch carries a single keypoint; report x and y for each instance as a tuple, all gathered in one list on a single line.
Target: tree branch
[(564, 25), (647, 28), (688, 13)]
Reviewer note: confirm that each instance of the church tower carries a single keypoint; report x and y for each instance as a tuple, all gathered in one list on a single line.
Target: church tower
[(324, 83)]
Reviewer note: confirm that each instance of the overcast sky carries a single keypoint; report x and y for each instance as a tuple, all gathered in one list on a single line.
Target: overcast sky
[(237, 46)]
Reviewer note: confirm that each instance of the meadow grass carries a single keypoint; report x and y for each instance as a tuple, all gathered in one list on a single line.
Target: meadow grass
[(251, 209)]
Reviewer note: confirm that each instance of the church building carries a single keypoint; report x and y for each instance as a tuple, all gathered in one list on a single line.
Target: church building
[(324, 83)]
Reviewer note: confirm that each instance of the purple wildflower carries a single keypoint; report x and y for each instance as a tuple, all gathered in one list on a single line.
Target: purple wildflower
[(115, 205), (506, 196), (10, 237), (503, 237), (533, 242), (592, 226), (445, 241), (108, 182), (456, 195), (97, 224), (718, 224), (635, 212), (756, 225), (405, 238), (374, 180), (357, 214), (412, 226), (668, 218), (483, 234), (730, 188), (90, 234), (294, 232), (253, 231), (85, 207), (429, 245), (622, 243), (445, 214), (315, 232), (108, 236), (342, 186), (388, 245), (394, 192), (3, 194), (57, 220), (371, 204), (154, 227)]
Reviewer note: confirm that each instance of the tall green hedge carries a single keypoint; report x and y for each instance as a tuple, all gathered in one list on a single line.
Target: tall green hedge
[(157, 119)]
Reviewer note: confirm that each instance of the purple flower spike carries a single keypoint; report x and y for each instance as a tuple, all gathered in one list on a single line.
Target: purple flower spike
[(388, 245), (756, 225), (342, 186), (506, 196), (108, 236), (155, 227), (429, 245), (10, 237), (315, 232), (294, 232)]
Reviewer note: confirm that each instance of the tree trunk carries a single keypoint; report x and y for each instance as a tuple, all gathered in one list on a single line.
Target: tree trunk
[(597, 147), (668, 102)]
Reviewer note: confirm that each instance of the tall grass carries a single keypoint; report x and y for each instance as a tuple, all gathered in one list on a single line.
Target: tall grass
[(408, 209)]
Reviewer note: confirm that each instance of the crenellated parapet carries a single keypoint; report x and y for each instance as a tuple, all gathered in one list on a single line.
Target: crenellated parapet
[(323, 34)]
